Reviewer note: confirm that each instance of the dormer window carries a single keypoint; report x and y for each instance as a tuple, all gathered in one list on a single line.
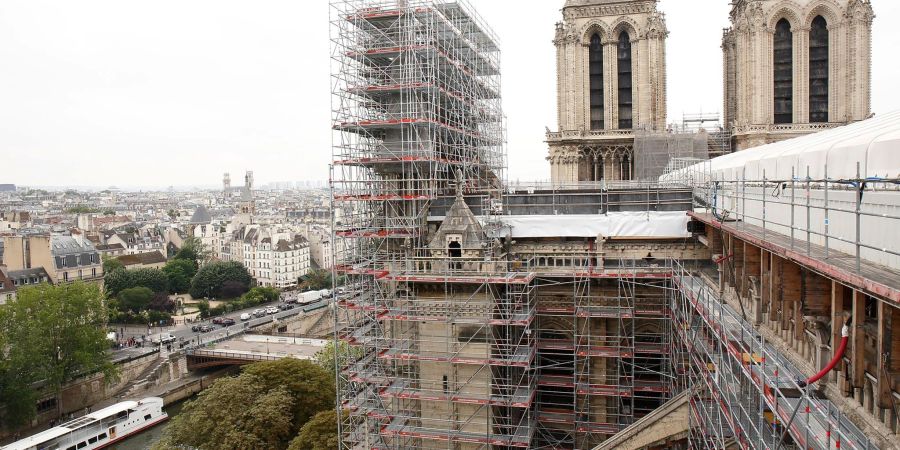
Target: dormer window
[(454, 249)]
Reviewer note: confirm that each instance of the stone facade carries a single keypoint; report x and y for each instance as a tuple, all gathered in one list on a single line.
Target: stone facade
[(601, 97), (783, 57)]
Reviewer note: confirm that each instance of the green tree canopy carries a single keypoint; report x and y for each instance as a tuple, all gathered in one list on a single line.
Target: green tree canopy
[(111, 264), (317, 280), (343, 353), (320, 433), (179, 272), (234, 413), (52, 334), (261, 294), (121, 279), (135, 299), (209, 279), (193, 250), (311, 387)]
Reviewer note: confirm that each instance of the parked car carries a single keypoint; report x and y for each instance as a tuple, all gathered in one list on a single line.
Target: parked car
[(217, 320), (227, 321), (245, 316), (272, 310)]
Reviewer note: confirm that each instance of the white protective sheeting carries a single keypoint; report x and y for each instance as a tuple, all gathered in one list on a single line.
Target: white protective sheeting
[(873, 143), (618, 224)]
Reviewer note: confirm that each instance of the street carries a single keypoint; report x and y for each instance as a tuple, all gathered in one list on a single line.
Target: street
[(183, 333)]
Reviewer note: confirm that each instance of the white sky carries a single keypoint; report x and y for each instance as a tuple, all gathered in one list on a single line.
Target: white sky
[(129, 93)]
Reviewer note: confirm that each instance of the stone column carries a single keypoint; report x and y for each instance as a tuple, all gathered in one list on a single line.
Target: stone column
[(607, 165), (611, 80), (801, 74)]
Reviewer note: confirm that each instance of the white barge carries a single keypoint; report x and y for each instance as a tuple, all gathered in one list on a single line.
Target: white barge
[(99, 429)]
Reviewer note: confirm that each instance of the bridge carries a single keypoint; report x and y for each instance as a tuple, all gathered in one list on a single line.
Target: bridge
[(248, 349)]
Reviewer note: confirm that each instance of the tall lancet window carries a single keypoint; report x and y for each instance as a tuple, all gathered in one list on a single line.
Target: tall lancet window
[(624, 72), (596, 87), (818, 70), (783, 59)]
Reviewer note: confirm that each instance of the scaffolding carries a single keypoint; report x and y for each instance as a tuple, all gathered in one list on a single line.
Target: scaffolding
[(445, 340), (660, 153), (744, 392)]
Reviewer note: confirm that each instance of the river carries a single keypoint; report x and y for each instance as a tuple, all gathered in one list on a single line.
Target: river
[(146, 439)]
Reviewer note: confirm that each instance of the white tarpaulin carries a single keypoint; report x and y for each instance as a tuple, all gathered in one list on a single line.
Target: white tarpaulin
[(618, 224)]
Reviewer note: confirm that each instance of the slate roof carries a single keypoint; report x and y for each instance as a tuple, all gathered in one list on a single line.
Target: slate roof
[(201, 216), (154, 257), (460, 220)]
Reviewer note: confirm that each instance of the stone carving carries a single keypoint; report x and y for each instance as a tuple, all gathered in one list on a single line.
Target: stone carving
[(656, 26)]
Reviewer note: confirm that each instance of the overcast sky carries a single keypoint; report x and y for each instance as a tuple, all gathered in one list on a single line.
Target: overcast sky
[(129, 93)]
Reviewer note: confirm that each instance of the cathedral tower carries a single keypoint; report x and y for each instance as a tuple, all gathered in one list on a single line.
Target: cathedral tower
[(611, 81), (794, 67)]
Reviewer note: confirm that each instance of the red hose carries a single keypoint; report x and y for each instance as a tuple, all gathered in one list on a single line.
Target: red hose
[(838, 354)]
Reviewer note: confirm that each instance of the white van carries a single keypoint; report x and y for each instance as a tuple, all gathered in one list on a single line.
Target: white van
[(245, 316)]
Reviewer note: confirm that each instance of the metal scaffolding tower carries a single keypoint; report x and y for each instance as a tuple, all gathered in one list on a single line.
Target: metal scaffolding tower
[(417, 116)]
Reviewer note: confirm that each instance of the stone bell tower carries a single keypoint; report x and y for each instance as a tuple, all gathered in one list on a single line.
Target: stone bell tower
[(611, 82)]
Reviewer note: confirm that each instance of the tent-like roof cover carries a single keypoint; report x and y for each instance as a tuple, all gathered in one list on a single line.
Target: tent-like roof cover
[(873, 143)]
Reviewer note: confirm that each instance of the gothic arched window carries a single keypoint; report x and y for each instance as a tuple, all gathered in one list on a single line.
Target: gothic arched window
[(596, 82), (783, 63), (818, 70), (624, 72)]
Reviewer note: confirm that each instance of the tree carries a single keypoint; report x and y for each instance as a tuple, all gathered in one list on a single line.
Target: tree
[(193, 250), (311, 387), (153, 279), (161, 302), (317, 280), (121, 279), (209, 279), (343, 353), (232, 289), (135, 299), (111, 264), (320, 433), (261, 294), (52, 334), (234, 413), (179, 273)]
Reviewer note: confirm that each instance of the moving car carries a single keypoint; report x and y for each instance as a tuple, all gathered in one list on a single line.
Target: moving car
[(245, 316), (205, 328), (285, 306), (227, 322), (259, 312), (272, 310), (162, 338)]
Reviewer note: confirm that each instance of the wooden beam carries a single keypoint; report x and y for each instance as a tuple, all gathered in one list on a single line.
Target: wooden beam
[(816, 294), (883, 354), (858, 341)]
